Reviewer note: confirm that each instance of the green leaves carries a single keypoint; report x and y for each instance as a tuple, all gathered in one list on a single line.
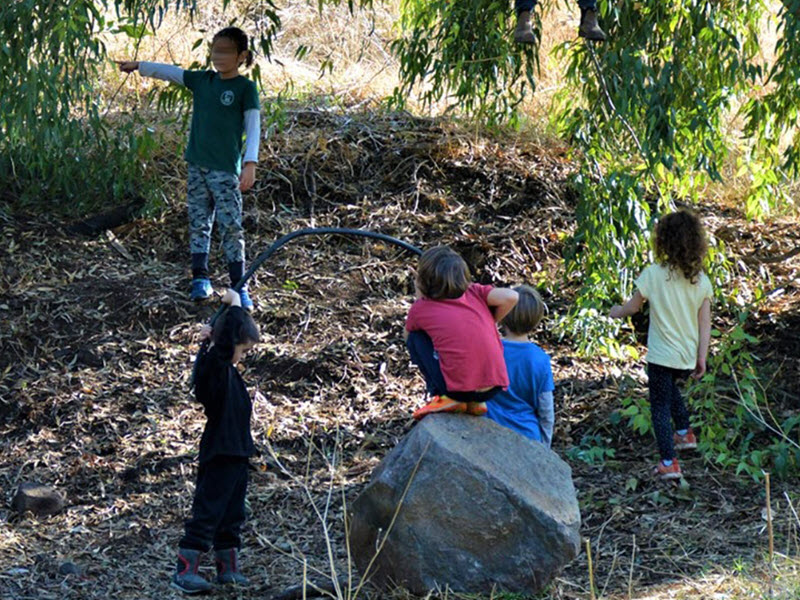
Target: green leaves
[(461, 54), (731, 409), (55, 143), (136, 31), (592, 450)]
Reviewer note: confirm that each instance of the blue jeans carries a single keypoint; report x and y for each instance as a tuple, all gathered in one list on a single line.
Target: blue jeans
[(420, 347), (529, 5)]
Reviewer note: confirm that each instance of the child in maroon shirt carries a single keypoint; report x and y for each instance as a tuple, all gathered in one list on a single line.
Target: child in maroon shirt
[(452, 336)]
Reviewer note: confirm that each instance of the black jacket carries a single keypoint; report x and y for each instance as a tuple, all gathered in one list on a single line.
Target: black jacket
[(220, 389)]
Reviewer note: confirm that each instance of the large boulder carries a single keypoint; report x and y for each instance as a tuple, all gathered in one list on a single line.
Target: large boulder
[(476, 507)]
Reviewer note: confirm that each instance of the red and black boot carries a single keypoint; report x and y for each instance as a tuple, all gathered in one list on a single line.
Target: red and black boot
[(228, 567), (186, 578)]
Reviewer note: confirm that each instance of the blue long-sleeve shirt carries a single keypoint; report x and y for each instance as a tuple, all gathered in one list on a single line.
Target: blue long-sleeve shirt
[(527, 405)]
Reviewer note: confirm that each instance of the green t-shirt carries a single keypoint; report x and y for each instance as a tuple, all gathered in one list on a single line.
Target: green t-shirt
[(218, 107), (674, 332)]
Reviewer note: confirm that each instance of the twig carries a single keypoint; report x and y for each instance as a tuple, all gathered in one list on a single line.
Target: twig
[(791, 506), (769, 532), (391, 523), (759, 417), (796, 528), (630, 574), (591, 571), (610, 571), (610, 101), (127, 75), (775, 258), (347, 543)]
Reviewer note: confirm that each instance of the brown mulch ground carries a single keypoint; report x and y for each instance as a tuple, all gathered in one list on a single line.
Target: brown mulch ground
[(97, 342)]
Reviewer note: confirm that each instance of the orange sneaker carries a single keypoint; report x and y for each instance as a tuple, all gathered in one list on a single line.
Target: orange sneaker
[(665, 472), (477, 408), (440, 404), (688, 441)]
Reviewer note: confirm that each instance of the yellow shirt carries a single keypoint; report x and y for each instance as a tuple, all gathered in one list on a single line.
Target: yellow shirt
[(674, 302)]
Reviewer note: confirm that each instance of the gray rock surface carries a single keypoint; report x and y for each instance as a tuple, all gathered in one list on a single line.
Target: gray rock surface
[(486, 509), (39, 499)]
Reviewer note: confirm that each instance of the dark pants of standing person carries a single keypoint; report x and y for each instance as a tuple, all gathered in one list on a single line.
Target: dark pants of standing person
[(529, 5), (218, 508), (420, 347), (666, 405)]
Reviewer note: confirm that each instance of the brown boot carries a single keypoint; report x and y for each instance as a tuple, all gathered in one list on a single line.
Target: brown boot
[(589, 28), (523, 34)]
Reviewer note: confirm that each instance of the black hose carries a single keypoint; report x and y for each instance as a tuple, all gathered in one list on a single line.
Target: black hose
[(261, 259)]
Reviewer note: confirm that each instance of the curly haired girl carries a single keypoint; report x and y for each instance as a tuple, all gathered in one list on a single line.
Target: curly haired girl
[(680, 295)]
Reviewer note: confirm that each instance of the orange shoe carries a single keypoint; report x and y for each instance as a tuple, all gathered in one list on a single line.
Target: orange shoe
[(688, 441), (440, 404), (665, 472), (477, 408)]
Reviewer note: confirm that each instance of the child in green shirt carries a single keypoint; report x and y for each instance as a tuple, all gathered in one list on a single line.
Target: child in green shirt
[(225, 105)]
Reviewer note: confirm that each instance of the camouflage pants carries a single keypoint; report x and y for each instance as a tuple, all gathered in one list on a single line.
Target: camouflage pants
[(215, 194)]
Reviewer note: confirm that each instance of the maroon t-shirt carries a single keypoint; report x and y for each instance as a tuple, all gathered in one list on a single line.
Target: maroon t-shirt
[(465, 336)]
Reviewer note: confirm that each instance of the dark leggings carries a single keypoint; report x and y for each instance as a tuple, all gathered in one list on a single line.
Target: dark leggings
[(420, 347), (666, 406)]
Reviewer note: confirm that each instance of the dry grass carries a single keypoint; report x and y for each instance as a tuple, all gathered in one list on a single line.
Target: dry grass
[(356, 44)]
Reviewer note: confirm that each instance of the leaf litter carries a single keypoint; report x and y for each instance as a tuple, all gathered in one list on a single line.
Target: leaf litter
[(98, 339)]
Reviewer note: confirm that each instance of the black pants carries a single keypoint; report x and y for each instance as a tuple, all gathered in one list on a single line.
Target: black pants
[(420, 347), (218, 507), (666, 406)]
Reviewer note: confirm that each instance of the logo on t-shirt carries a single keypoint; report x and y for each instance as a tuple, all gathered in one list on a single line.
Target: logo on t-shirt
[(226, 98)]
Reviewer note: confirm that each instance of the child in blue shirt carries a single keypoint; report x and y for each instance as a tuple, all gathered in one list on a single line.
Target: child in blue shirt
[(527, 405)]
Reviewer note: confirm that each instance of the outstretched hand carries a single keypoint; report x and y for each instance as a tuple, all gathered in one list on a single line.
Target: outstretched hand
[(127, 66)]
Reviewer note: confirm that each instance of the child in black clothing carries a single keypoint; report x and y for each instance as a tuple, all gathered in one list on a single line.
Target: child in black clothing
[(218, 509)]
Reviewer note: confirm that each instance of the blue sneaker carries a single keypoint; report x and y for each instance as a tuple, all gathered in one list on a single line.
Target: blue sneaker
[(247, 303), (201, 289)]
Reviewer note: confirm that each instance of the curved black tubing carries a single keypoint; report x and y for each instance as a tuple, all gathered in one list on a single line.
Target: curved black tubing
[(262, 258)]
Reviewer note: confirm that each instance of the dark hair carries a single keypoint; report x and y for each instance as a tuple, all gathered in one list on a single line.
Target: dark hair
[(243, 328), (680, 243), (238, 37), (442, 274), (527, 313)]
